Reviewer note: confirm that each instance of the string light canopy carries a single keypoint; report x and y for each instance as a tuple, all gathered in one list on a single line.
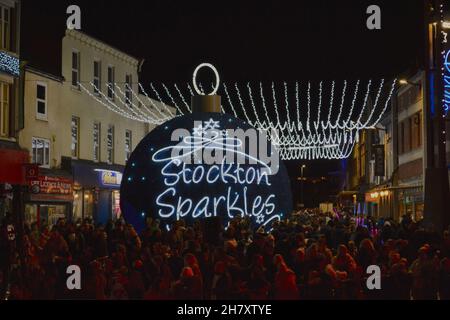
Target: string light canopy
[(304, 120)]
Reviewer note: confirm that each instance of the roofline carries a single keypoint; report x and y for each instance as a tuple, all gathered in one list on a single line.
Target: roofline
[(83, 34), (45, 74)]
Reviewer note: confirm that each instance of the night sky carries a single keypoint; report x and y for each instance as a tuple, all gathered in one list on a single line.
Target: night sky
[(245, 40)]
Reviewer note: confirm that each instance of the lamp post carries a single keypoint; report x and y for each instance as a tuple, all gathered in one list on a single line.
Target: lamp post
[(436, 183), (302, 204)]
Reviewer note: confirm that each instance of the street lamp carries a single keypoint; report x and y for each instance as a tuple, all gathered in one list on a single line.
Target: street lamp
[(405, 82), (303, 167)]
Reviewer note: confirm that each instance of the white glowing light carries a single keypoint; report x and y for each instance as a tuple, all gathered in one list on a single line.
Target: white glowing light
[(446, 79), (194, 78), (176, 172), (9, 64), (316, 137)]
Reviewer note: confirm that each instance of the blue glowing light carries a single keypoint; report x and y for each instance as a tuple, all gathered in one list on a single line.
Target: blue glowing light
[(446, 98)]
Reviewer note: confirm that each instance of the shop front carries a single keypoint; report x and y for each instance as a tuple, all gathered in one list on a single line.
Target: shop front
[(411, 202), (12, 160), (380, 203), (96, 191), (49, 199)]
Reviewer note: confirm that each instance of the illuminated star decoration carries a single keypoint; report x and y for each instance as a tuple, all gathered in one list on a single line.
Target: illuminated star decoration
[(211, 125), (260, 219), (212, 129)]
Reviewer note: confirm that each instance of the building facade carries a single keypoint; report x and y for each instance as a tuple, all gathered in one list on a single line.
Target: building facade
[(387, 168), (12, 157), (80, 145), (410, 123), (381, 195)]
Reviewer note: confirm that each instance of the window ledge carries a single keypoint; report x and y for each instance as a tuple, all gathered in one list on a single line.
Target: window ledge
[(6, 138), (42, 118), (75, 89)]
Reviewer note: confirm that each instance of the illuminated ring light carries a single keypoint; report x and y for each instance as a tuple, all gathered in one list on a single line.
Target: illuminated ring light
[(194, 79)]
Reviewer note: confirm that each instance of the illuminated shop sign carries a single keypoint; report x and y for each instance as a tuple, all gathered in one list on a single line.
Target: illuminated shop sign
[(48, 188), (172, 181), (109, 178), (51, 185), (9, 64)]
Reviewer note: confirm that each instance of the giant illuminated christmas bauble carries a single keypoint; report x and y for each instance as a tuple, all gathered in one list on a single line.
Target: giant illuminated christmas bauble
[(205, 165)]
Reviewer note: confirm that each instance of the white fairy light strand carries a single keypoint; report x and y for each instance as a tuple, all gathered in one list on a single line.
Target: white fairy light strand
[(333, 138)]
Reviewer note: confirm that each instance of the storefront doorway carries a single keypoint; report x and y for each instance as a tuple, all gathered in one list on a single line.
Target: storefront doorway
[(45, 214)]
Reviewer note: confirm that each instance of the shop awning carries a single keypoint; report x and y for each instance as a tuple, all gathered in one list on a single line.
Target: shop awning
[(11, 165)]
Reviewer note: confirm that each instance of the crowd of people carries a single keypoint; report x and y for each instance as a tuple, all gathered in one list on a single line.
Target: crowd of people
[(311, 255)]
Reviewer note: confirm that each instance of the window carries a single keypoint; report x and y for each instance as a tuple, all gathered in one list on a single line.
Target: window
[(128, 144), (406, 142), (110, 144), (97, 77), (416, 130), (97, 136), (41, 151), (418, 122), (4, 109), (408, 135), (75, 148), (410, 97), (41, 101), (111, 82), (128, 84), (5, 33), (402, 138), (76, 69)]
